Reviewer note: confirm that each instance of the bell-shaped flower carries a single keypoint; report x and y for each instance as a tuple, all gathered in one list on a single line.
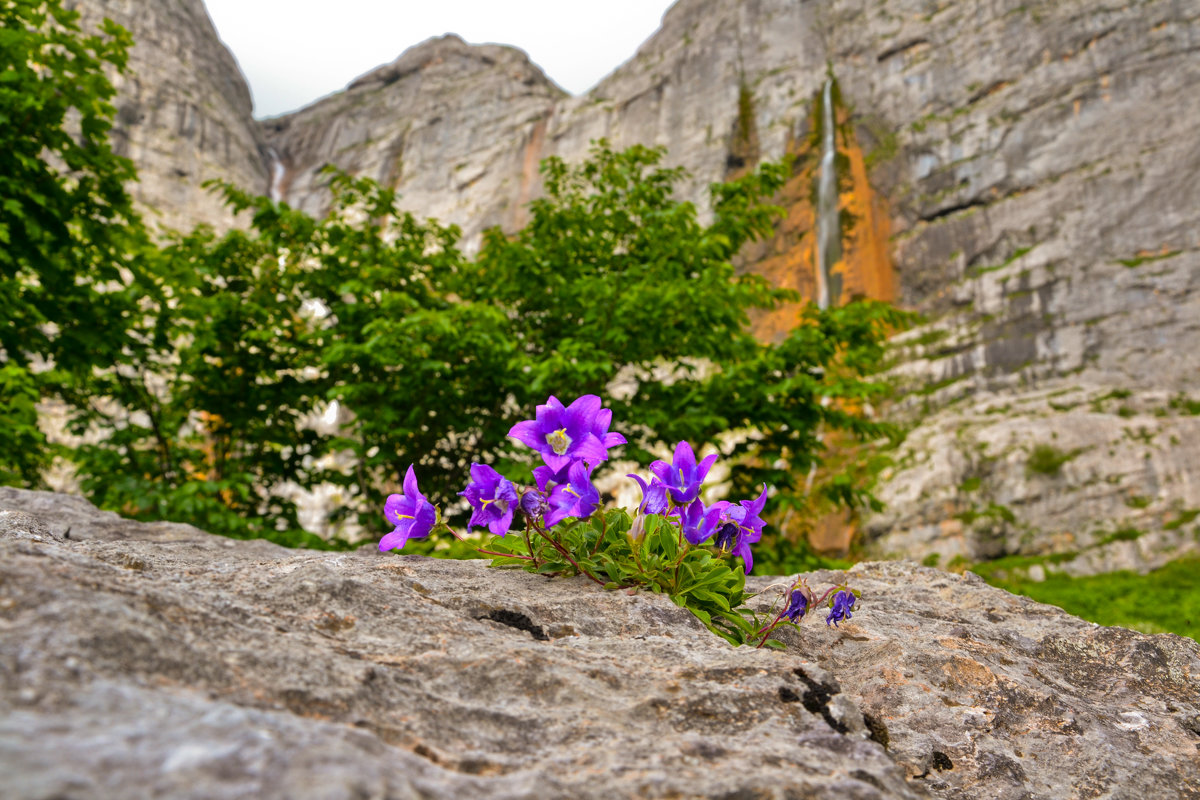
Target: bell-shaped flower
[(575, 498), (840, 607), (493, 498), (683, 476), (797, 605), (547, 478), (562, 434), (654, 495), (411, 513), (699, 523), (748, 530)]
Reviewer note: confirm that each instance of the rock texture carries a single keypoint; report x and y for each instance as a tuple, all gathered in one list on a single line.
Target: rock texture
[(458, 129), (184, 112), (156, 660)]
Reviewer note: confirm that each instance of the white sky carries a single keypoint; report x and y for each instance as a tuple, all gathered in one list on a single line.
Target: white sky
[(295, 51)]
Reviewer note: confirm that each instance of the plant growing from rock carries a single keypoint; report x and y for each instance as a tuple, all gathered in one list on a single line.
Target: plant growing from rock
[(674, 543)]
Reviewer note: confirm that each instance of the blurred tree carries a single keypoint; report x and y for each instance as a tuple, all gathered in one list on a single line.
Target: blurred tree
[(67, 228)]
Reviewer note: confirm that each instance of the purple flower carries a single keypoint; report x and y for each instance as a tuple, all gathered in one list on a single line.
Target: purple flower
[(684, 476), (575, 498), (654, 495), (840, 608), (749, 525), (546, 477), (533, 504), (797, 605), (726, 536), (410, 512), (698, 522), (493, 497), (571, 433)]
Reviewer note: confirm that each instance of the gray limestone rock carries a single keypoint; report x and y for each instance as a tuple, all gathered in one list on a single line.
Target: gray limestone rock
[(183, 111), (157, 660)]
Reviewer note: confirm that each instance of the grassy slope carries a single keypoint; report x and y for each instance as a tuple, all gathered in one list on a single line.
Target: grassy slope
[(1166, 600)]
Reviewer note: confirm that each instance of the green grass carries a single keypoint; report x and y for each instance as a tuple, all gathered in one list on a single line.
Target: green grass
[(1165, 600), (1137, 261)]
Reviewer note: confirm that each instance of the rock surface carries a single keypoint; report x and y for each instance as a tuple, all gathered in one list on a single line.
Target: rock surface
[(156, 660), (184, 113)]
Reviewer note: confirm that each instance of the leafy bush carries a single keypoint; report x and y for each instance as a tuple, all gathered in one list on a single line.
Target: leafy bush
[(67, 229), (1046, 459)]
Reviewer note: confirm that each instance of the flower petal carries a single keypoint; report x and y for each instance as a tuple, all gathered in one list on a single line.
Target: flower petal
[(588, 448), (685, 458), (410, 485), (529, 433), (704, 466), (581, 414)]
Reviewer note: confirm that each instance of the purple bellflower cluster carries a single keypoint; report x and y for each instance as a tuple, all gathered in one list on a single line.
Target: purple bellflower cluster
[(573, 440), (674, 489)]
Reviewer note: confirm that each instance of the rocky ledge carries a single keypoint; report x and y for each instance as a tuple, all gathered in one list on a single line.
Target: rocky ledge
[(156, 660)]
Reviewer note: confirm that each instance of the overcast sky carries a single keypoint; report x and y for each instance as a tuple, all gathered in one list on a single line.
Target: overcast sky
[(294, 51)]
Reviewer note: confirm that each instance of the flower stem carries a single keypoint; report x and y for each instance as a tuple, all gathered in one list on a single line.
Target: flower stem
[(567, 555), (766, 631), (502, 555), (603, 533)]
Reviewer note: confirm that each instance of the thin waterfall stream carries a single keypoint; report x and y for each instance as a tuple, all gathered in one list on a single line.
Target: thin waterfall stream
[(828, 230)]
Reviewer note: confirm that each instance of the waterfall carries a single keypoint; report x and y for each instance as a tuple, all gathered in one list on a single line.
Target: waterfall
[(829, 238), (278, 171)]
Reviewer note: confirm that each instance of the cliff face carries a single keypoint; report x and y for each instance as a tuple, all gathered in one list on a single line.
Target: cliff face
[(457, 129), (1024, 173), (1045, 197), (183, 111)]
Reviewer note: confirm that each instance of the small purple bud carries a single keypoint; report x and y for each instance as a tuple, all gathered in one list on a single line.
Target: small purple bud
[(840, 608), (797, 605), (533, 504)]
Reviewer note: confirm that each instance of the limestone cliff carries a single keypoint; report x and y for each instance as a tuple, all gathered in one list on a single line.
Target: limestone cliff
[(458, 129), (183, 111)]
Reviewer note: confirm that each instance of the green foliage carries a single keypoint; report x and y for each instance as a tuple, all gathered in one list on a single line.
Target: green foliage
[(1165, 600), (1138, 260), (1046, 459), (779, 555), (650, 553), (438, 356), (66, 225), (1185, 405), (23, 452), (993, 511), (1184, 518)]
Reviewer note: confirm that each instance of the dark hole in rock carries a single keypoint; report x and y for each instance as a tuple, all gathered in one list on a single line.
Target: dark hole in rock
[(515, 619), (940, 761), (816, 699), (786, 695)]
